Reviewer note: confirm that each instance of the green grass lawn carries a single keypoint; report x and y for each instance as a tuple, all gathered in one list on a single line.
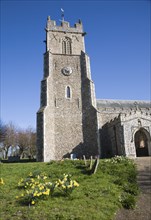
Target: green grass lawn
[(98, 196)]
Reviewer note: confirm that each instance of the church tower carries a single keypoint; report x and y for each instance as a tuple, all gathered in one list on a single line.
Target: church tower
[(67, 118)]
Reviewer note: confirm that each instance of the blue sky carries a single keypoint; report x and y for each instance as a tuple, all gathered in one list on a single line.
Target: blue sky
[(117, 41)]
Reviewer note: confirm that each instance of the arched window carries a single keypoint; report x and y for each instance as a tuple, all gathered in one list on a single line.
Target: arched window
[(68, 92), (66, 46)]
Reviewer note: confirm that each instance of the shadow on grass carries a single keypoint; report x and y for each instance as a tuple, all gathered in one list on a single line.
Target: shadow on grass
[(84, 169)]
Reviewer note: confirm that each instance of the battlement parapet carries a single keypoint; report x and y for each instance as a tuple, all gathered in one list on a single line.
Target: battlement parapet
[(129, 116), (135, 114), (65, 26)]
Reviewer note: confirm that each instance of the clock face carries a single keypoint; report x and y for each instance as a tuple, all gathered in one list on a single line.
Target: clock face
[(67, 71)]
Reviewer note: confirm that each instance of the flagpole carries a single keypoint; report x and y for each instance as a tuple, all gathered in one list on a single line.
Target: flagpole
[(62, 14)]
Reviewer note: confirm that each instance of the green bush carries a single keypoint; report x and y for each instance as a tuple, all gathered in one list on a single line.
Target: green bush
[(128, 201), (130, 188)]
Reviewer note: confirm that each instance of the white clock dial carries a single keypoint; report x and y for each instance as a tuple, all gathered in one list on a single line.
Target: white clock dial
[(67, 71)]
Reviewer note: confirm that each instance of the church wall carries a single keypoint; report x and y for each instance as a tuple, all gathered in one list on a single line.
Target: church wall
[(117, 134), (56, 39), (133, 122), (108, 142), (68, 111), (108, 114), (75, 118), (89, 112), (40, 141), (45, 116), (112, 138)]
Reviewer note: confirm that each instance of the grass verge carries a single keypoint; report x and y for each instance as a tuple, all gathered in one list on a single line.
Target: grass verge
[(97, 197)]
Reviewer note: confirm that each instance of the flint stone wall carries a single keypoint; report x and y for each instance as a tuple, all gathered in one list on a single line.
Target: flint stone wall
[(118, 124)]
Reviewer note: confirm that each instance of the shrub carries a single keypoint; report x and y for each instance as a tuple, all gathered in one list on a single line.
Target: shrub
[(128, 201), (132, 189)]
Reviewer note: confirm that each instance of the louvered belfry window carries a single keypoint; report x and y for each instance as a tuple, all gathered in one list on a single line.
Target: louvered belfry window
[(66, 46)]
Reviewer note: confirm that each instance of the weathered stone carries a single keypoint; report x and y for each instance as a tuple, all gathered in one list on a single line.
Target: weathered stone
[(119, 121), (67, 119), (70, 119)]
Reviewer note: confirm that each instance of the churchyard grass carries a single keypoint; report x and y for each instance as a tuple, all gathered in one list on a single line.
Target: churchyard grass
[(98, 195)]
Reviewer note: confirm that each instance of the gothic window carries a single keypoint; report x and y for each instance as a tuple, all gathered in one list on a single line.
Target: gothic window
[(68, 92), (66, 46)]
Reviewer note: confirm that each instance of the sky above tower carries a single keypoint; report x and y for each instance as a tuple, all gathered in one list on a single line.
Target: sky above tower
[(117, 41)]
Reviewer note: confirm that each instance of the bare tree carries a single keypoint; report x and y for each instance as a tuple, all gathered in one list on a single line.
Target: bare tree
[(18, 141), (8, 138), (2, 138), (2, 131), (22, 142), (26, 140), (31, 134)]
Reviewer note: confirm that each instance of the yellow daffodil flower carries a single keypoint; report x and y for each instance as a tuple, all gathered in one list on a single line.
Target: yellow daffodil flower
[(33, 202)]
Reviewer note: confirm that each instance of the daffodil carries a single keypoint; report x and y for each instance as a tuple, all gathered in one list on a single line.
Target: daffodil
[(45, 177), (1, 181), (75, 183), (30, 174), (35, 194)]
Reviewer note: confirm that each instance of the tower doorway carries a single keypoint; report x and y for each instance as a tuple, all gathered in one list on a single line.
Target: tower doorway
[(141, 143)]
